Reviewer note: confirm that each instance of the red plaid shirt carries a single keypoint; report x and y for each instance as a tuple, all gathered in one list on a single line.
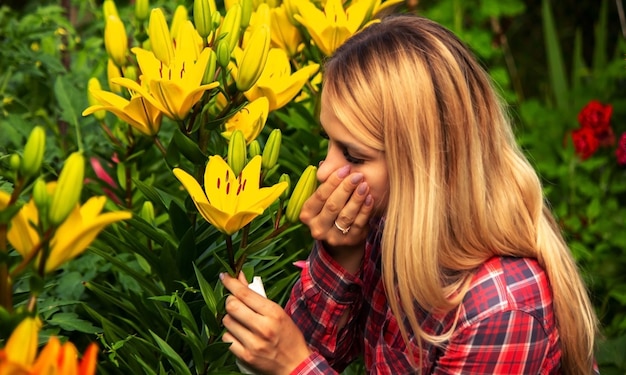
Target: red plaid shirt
[(506, 323)]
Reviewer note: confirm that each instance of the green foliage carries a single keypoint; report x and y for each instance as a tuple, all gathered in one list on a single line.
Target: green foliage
[(148, 290)]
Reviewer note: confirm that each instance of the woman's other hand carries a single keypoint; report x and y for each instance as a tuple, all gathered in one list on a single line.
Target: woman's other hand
[(338, 214)]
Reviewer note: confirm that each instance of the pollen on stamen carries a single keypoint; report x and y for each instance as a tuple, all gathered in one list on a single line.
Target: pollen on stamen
[(239, 189), (218, 182), (227, 188), (161, 70), (243, 186), (227, 175), (182, 71)]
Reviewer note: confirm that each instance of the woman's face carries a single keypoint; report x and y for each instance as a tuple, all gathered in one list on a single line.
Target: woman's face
[(344, 148)]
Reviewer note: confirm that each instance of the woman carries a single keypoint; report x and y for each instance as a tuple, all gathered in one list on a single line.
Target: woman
[(470, 273)]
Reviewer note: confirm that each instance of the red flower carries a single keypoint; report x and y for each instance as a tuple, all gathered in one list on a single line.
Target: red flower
[(620, 153), (606, 137), (585, 142), (596, 116)]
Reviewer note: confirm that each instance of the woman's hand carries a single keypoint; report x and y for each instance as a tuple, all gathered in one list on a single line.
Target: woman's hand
[(338, 214), (261, 333)]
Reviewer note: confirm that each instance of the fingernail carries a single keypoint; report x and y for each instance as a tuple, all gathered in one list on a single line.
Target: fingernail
[(356, 178), (343, 171), (362, 188), (369, 200), (321, 161), (221, 275)]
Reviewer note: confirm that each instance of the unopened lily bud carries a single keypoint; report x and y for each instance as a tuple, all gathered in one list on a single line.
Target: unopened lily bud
[(94, 85), (254, 58), (246, 13), (130, 72), (254, 149), (291, 8), (179, 18), (231, 26), (223, 52), (33, 152), (14, 162), (285, 178), (202, 17), (306, 185), (109, 9), (211, 66), (216, 19), (160, 37), (263, 15), (237, 152), (147, 212), (272, 149), (69, 186), (41, 196), (113, 71), (142, 9), (115, 40)]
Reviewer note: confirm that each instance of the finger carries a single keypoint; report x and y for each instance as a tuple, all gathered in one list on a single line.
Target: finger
[(339, 198), (362, 219), (242, 278), (236, 347), (240, 328), (248, 297), (315, 203), (347, 216)]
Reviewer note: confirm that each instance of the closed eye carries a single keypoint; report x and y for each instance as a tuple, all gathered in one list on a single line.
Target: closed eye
[(351, 159)]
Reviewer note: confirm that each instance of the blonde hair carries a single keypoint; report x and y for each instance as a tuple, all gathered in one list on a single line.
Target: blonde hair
[(460, 189)]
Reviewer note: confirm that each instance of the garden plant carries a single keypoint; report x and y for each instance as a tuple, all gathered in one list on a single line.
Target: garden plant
[(148, 146)]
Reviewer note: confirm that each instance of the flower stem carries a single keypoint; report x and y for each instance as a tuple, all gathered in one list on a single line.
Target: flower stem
[(160, 146), (231, 253), (6, 295)]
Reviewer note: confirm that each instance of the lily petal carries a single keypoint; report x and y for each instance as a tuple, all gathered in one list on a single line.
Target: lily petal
[(79, 230)]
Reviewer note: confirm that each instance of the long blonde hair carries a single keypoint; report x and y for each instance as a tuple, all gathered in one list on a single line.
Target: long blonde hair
[(460, 189)]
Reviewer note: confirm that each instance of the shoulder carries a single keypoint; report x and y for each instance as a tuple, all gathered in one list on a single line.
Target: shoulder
[(508, 284)]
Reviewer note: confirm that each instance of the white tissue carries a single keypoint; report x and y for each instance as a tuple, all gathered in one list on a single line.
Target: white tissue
[(257, 286)]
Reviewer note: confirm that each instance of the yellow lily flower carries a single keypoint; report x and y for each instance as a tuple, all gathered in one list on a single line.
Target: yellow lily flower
[(79, 230), (331, 27), (19, 355), (21, 347), (227, 201), (276, 81), (71, 237), (250, 120), (113, 72), (115, 40), (173, 89), (138, 112), (22, 235), (285, 34)]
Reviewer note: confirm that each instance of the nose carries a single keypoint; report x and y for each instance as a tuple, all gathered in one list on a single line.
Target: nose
[(329, 165)]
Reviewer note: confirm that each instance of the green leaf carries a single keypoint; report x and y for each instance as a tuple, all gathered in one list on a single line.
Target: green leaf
[(179, 220), (600, 40), (65, 96), (207, 291), (175, 360), (71, 322), (209, 318), (189, 148), (187, 252), (150, 193), (555, 59)]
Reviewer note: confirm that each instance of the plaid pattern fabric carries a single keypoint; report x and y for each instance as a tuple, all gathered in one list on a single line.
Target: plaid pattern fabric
[(506, 323)]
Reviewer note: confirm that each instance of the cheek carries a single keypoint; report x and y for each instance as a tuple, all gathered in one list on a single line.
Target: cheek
[(379, 188)]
